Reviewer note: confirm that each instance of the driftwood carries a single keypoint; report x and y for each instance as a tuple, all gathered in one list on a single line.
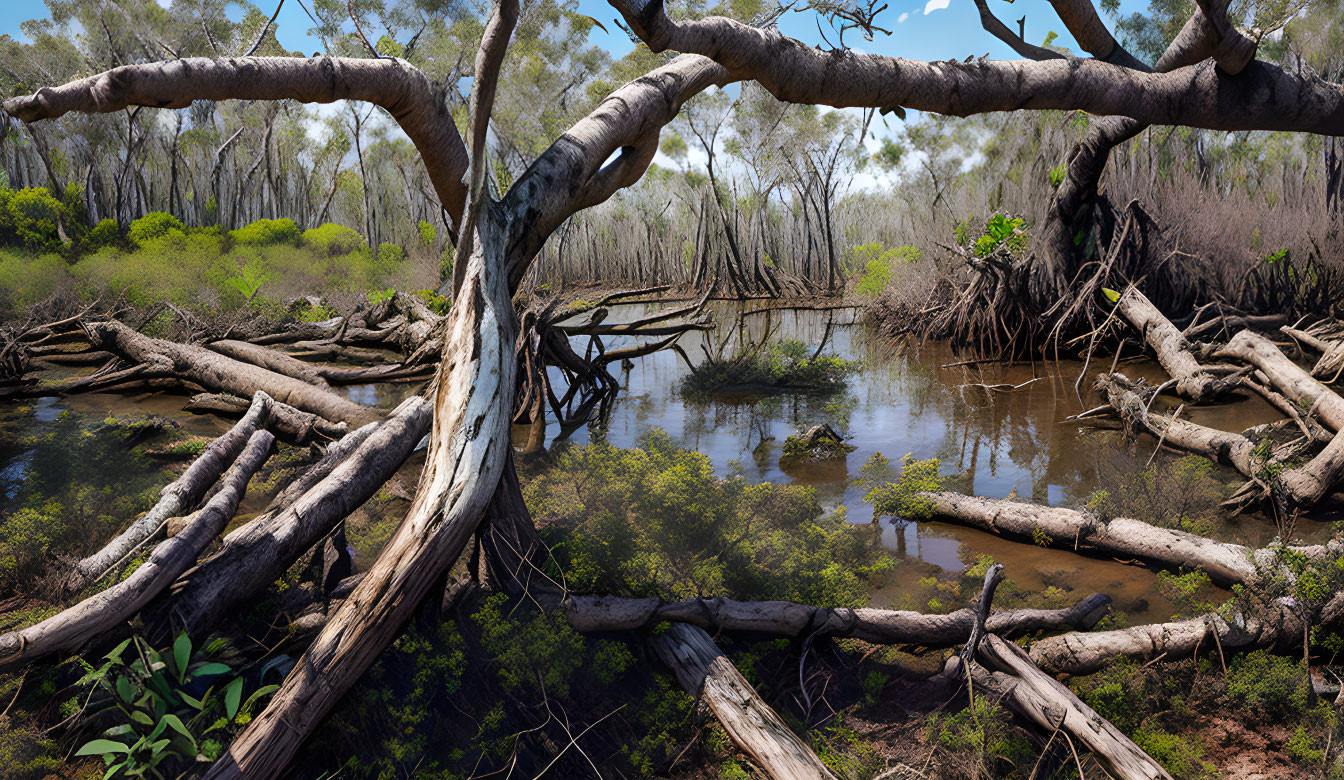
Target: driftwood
[(1288, 377), (221, 373), (98, 614), (270, 360), (1010, 675), (178, 498), (286, 422), (1193, 380), (255, 554), (705, 672), (784, 618)]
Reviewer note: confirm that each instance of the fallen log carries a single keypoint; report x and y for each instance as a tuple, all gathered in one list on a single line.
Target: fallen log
[(1193, 380), (270, 360), (257, 553), (1288, 377), (1009, 674), (100, 613), (178, 498), (1331, 362), (783, 618), (1279, 627), (705, 672), (286, 422), (1120, 537), (220, 373)]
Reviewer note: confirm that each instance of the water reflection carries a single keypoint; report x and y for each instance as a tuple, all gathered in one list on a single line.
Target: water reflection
[(917, 401)]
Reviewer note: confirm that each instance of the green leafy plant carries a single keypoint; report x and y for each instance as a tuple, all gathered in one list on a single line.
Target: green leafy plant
[(163, 706), (901, 498), (1001, 231)]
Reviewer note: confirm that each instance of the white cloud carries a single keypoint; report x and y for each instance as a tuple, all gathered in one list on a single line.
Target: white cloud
[(935, 5), (901, 19)]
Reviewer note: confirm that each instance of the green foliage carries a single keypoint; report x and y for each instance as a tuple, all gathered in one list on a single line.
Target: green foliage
[(162, 706), (104, 234), (438, 304), (538, 653), (391, 255), (787, 365), (984, 733), (1269, 684), (1057, 174), (330, 239), (1179, 755), (1302, 748), (656, 520), (155, 224), (1191, 593), (1009, 233), (879, 265), (798, 450), (901, 498), (1182, 494), (845, 751), (427, 234), (267, 232), (34, 218), (381, 296), (248, 281)]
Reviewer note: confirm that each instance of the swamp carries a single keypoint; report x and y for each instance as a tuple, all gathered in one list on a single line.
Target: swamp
[(631, 388)]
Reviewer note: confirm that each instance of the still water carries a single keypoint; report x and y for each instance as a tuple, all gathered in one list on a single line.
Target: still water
[(912, 399)]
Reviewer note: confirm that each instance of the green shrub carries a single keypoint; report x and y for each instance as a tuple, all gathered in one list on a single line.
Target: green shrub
[(1178, 754), (155, 224), (163, 705), (985, 733), (428, 236), (436, 303), (656, 520), (267, 232), (26, 279), (783, 366), (1269, 684), (901, 498), (331, 239), (879, 265), (390, 255), (1008, 232), (104, 234), (33, 217)]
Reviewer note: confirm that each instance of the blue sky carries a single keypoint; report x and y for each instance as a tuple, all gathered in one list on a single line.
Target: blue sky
[(950, 29)]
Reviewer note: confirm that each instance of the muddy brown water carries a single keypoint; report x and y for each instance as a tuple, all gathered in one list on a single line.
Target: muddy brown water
[(904, 399)]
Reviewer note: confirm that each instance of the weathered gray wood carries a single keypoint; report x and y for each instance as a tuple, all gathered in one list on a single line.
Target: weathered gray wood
[(178, 498), (705, 672), (98, 614), (785, 618)]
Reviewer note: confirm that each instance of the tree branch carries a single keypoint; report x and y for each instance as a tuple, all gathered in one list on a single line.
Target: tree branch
[(1263, 96), (417, 103)]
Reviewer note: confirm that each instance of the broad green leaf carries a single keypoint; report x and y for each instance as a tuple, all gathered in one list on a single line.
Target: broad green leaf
[(209, 669), (98, 747), (193, 703), (125, 690), (1111, 295), (264, 690), (233, 693), (112, 770), (181, 654), (115, 655), (177, 725), (140, 717)]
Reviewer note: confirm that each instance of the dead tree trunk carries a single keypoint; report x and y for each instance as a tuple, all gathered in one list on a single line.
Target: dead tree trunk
[(705, 672)]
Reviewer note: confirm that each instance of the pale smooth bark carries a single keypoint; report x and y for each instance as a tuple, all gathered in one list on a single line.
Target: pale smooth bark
[(257, 553), (1288, 377), (270, 360), (705, 672), (95, 616), (179, 497), (1193, 380), (784, 618), (1013, 677)]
